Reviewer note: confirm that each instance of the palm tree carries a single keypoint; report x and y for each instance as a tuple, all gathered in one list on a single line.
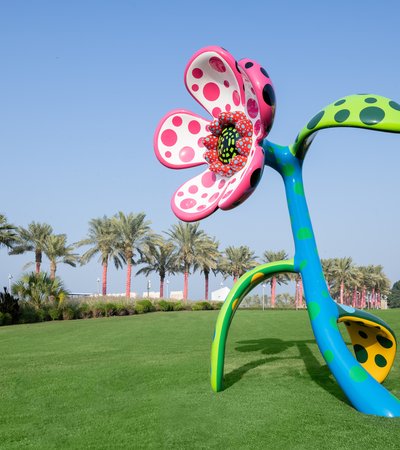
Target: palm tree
[(187, 237), (381, 285), (159, 258), (8, 236), (32, 239), (102, 237), (57, 251), (328, 265), (270, 256), (133, 232), (39, 288), (342, 273), (207, 260), (237, 261)]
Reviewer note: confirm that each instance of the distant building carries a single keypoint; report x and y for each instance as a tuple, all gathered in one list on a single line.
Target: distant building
[(220, 294), (176, 295), (133, 295), (151, 294)]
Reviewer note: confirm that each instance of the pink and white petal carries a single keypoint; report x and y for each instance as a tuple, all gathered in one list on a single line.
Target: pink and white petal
[(243, 183), (198, 197), (260, 96), (178, 140), (213, 79)]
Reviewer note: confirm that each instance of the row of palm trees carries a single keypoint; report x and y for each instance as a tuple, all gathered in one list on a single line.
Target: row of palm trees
[(358, 286), (127, 239)]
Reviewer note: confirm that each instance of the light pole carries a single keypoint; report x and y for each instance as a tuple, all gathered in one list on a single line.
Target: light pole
[(10, 277), (167, 288), (98, 286), (148, 287), (263, 294)]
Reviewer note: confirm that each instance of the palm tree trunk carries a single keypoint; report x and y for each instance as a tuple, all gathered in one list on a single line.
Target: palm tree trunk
[(300, 293), (128, 279), (273, 289), (354, 298), (38, 260), (206, 282), (363, 298), (161, 287), (104, 279), (53, 269), (185, 285), (341, 292)]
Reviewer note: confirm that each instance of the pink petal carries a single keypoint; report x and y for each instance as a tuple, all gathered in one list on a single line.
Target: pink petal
[(243, 183), (177, 139), (259, 96), (213, 79), (198, 197)]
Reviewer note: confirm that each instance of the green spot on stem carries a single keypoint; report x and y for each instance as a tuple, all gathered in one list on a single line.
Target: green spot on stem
[(303, 264), (298, 188), (358, 374), (333, 323), (304, 233), (325, 294), (328, 355), (313, 310), (288, 170)]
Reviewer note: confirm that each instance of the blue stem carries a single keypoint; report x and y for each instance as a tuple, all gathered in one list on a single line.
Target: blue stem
[(363, 391)]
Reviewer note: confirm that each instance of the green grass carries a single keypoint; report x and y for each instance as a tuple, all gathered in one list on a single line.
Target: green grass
[(143, 382)]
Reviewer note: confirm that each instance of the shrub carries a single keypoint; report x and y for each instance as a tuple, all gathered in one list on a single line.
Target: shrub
[(201, 306), (28, 314), (144, 306), (9, 305), (99, 310), (42, 315), (5, 318), (178, 306), (68, 313), (54, 313), (163, 305), (110, 309), (121, 309), (217, 305), (84, 311)]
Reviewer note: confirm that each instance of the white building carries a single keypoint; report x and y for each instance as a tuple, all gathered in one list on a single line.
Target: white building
[(176, 295), (220, 294)]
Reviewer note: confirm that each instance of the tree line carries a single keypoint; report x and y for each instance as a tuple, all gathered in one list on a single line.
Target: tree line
[(128, 240)]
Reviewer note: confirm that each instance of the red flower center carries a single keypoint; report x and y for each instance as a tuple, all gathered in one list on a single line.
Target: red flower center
[(229, 144)]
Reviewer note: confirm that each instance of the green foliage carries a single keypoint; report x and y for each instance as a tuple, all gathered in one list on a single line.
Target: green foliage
[(201, 306), (9, 305), (39, 289), (163, 305), (144, 306), (68, 313), (54, 313), (394, 296), (5, 318), (178, 306)]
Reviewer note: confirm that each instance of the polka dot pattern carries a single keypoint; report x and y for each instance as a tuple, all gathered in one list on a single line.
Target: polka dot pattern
[(176, 142), (361, 111), (367, 339), (198, 197), (259, 95), (218, 82)]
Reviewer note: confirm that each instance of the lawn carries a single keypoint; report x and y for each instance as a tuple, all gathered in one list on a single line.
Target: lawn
[(143, 382)]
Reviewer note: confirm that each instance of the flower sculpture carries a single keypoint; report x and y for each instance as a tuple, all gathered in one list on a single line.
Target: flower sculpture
[(235, 149), (241, 99)]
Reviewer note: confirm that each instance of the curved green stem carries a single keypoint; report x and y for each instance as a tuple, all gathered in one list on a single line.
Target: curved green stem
[(241, 288)]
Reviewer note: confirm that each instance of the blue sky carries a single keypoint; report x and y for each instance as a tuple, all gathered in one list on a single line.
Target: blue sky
[(84, 83)]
